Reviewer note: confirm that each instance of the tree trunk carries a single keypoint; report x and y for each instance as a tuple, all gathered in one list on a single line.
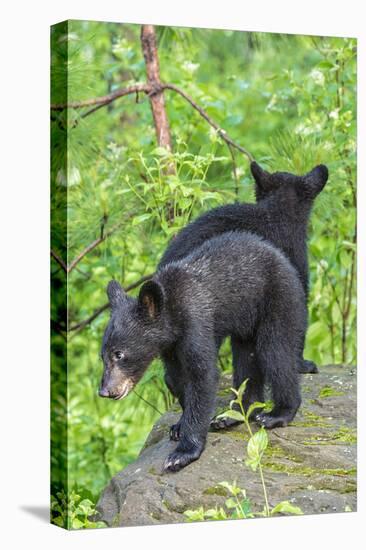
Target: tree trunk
[(157, 102)]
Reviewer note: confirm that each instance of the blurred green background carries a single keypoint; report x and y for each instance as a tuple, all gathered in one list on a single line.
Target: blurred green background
[(290, 100)]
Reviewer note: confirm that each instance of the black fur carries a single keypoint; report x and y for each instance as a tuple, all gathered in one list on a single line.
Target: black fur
[(281, 215), (235, 284)]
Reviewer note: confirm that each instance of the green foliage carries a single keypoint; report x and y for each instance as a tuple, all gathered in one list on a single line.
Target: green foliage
[(290, 100), (238, 506), (256, 446), (73, 512)]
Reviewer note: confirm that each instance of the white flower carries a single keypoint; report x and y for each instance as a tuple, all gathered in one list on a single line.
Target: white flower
[(308, 129), (318, 77), (334, 114), (190, 67)]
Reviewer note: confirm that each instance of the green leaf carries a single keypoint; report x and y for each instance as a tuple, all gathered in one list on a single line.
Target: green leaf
[(242, 389), (325, 64), (230, 503), (195, 515), (85, 507), (257, 444), (235, 415), (77, 524), (225, 484), (254, 406), (140, 219), (246, 506), (58, 521), (231, 487), (216, 514), (286, 507)]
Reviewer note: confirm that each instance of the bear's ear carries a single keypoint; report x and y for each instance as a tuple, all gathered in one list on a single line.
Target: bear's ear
[(151, 299), (262, 178), (314, 181), (115, 293)]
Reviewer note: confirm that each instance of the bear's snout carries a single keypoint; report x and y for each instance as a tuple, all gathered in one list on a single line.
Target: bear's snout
[(103, 392)]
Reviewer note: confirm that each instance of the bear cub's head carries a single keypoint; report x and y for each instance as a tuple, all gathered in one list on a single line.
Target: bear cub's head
[(133, 338), (285, 185)]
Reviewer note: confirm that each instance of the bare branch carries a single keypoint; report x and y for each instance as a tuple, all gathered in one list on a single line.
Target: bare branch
[(222, 133), (83, 324), (235, 173), (103, 100), (91, 247), (151, 91), (59, 260)]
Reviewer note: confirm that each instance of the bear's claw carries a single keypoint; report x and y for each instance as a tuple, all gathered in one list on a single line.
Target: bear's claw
[(174, 432)]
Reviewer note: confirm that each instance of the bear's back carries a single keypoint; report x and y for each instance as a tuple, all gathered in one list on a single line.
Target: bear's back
[(231, 217), (232, 277)]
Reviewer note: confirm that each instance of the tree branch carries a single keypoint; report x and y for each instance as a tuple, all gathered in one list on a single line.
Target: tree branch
[(235, 173), (103, 100), (222, 133), (91, 247), (146, 88), (59, 260), (156, 95), (79, 326)]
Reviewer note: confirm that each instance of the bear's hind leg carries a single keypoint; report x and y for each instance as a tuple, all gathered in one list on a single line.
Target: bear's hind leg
[(307, 367), (245, 366), (279, 365)]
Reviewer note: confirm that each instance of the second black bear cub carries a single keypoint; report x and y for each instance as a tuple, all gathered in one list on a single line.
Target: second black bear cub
[(234, 285), (281, 215)]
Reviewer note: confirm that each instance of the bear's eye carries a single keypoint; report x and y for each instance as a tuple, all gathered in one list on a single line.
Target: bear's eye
[(119, 355)]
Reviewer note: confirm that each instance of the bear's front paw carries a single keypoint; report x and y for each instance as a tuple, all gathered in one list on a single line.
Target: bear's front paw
[(179, 459), (174, 432)]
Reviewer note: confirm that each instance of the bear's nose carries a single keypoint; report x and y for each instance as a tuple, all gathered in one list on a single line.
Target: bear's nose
[(103, 392)]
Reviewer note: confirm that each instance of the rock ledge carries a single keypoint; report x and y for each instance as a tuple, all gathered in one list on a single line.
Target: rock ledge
[(311, 463)]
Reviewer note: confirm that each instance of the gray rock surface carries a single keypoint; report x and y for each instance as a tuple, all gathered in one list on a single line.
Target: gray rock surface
[(311, 463)]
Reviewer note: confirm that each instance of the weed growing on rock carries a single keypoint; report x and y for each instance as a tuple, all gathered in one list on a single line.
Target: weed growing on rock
[(238, 505)]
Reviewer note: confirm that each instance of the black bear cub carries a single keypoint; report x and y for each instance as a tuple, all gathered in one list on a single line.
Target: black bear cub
[(284, 203), (234, 285)]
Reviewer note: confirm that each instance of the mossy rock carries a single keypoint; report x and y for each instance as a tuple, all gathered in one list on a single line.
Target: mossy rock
[(311, 463)]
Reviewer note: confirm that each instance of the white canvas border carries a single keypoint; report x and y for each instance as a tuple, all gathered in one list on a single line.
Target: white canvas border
[(25, 262)]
